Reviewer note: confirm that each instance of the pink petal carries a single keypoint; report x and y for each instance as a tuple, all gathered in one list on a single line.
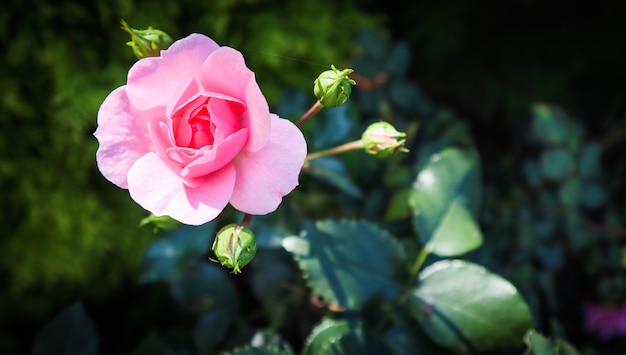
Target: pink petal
[(264, 177), (153, 81), (153, 186), (215, 158), (225, 71), (123, 137)]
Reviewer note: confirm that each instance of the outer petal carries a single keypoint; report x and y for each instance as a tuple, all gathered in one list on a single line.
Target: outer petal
[(153, 186), (153, 81), (123, 136), (264, 177), (225, 71)]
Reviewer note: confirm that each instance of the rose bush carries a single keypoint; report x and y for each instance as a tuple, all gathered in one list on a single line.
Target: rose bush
[(191, 132)]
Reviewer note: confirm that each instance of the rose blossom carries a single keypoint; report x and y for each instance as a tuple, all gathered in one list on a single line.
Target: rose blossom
[(191, 132)]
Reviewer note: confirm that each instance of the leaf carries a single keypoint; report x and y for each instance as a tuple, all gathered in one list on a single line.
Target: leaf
[(348, 263), (557, 163), (593, 195), (409, 341), (333, 128), (590, 157), (263, 350), (71, 332), (333, 172), (445, 202), (210, 330), (206, 286), (169, 257), (335, 337), (465, 308), (540, 345), (549, 124), (398, 207)]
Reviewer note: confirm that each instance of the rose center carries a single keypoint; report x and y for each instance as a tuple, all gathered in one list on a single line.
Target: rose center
[(202, 129)]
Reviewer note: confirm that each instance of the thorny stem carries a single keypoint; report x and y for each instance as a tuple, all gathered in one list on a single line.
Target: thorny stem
[(358, 144), (310, 113)]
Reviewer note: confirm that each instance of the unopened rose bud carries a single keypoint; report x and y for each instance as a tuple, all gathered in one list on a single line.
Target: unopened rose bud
[(147, 43), (234, 246), (333, 87), (382, 140)]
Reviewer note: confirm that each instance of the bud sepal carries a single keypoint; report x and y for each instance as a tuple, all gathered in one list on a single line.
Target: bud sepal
[(234, 247), (333, 87), (383, 140), (147, 43)]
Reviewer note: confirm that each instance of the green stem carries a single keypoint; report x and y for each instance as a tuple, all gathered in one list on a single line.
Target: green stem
[(417, 265), (310, 113), (358, 144)]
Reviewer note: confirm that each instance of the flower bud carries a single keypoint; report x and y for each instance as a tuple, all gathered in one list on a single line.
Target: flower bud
[(333, 87), (234, 247), (382, 140), (147, 43)]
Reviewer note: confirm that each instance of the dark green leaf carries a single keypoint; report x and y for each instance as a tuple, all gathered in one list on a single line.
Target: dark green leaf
[(211, 329), (590, 156), (550, 124), (206, 286), (557, 163), (408, 341), (540, 345), (335, 337), (445, 202), (465, 308), (71, 332), (569, 192), (262, 350), (333, 172), (332, 128), (169, 257), (593, 195), (399, 205), (347, 263), (271, 339)]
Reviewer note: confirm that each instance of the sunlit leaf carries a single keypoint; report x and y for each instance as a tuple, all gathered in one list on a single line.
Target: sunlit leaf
[(445, 202), (335, 337), (71, 332), (169, 256), (465, 308), (348, 262)]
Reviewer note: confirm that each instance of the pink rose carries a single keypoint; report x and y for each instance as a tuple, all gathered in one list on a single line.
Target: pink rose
[(191, 132)]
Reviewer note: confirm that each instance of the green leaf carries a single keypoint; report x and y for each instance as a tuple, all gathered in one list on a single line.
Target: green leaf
[(569, 192), (210, 330), (557, 163), (169, 257), (197, 290), (333, 172), (261, 350), (333, 128), (335, 337), (540, 345), (398, 207), (465, 308), (550, 124), (409, 341), (348, 262), (590, 157), (71, 332), (593, 195), (445, 202)]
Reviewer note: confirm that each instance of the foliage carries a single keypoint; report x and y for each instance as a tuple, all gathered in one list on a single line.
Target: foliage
[(455, 247)]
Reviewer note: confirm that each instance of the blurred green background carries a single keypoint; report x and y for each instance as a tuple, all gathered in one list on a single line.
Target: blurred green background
[(67, 233)]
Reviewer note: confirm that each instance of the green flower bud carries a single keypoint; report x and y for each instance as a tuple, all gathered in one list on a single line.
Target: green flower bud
[(147, 43), (382, 140), (234, 247), (333, 87)]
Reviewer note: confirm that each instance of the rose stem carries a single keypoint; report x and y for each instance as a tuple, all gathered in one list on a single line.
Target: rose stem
[(358, 144), (310, 113), (245, 221)]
